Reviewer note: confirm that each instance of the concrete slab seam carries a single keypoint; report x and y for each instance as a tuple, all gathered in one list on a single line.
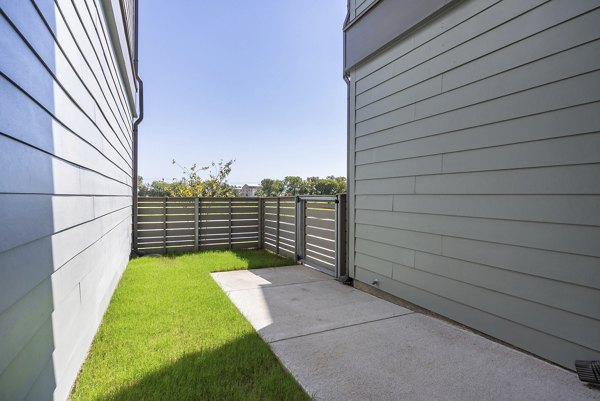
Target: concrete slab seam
[(339, 328), (266, 287)]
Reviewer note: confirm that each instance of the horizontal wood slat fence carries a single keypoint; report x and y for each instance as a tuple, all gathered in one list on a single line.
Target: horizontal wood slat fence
[(308, 229), (279, 234)]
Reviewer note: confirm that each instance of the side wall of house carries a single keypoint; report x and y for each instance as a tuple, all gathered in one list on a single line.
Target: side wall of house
[(475, 171), (65, 190)]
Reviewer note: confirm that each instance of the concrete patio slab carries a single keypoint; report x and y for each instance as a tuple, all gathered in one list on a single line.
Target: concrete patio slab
[(267, 277), (343, 344), (289, 310), (416, 357)]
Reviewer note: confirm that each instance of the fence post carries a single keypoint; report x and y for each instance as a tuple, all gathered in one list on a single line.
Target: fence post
[(230, 223), (340, 237), (261, 222), (277, 228), (336, 236), (196, 223), (299, 228), (165, 224)]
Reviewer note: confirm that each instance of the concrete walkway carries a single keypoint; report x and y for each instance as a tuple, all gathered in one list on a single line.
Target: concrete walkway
[(343, 344)]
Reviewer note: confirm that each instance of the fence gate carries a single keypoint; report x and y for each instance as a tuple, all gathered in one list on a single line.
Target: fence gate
[(320, 233)]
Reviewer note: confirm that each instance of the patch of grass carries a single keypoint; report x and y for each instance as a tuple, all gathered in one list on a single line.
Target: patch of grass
[(170, 333)]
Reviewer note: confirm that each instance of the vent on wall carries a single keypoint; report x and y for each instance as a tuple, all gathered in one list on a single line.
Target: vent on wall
[(588, 371)]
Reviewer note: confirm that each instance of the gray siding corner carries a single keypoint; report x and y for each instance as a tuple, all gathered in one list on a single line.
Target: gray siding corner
[(65, 192), (474, 182)]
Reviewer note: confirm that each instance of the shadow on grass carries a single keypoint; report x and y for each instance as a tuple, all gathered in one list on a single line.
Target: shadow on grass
[(255, 258), (259, 258), (241, 370)]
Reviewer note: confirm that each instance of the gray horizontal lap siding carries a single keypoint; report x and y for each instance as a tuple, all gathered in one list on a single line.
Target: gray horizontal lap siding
[(65, 192), (475, 171)]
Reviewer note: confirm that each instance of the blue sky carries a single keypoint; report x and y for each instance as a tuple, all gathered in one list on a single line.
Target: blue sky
[(256, 81)]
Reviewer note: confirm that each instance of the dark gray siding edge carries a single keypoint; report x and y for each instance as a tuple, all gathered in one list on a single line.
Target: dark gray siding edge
[(385, 22)]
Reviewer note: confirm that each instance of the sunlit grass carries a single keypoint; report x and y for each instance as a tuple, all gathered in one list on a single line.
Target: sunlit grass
[(170, 333)]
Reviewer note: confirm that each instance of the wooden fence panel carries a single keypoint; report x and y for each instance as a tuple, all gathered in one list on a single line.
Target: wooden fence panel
[(187, 224), (168, 225)]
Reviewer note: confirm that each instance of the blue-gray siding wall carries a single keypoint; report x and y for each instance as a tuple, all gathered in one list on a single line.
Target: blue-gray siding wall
[(475, 171), (65, 190)]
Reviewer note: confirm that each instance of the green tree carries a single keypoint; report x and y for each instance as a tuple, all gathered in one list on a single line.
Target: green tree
[(340, 182), (192, 185), (216, 186), (159, 188), (142, 188), (326, 187), (269, 187), (293, 185), (310, 186)]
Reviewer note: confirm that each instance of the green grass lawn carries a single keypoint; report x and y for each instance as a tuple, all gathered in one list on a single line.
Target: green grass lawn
[(170, 333)]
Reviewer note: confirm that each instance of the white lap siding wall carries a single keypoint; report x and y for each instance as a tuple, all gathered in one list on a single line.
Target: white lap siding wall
[(475, 171), (65, 189)]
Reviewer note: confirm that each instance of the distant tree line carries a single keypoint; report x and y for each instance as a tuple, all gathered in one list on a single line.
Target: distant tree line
[(293, 185), (191, 184), (216, 186)]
